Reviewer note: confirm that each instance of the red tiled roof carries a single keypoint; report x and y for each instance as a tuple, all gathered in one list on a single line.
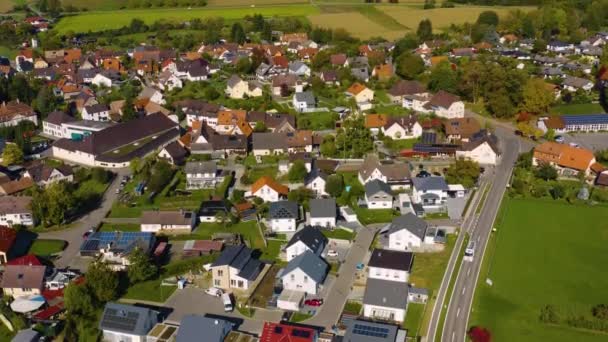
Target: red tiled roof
[(7, 238), (29, 259), (278, 332)]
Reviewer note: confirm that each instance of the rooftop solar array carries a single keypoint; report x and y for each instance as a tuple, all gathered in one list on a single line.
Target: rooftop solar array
[(120, 320), (585, 119), (367, 330), (116, 239)]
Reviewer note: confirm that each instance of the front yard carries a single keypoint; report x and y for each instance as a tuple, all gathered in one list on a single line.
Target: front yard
[(46, 247), (248, 230)]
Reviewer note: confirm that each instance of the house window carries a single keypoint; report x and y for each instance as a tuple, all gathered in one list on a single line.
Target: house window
[(220, 273), (232, 282), (305, 279), (293, 277), (241, 284)]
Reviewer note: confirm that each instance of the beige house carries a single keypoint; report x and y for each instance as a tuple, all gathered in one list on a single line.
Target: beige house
[(360, 92), (236, 268), (21, 280), (168, 222), (237, 88)]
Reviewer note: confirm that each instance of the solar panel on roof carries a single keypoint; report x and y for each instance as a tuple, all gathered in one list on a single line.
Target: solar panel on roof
[(120, 320), (585, 119), (300, 333), (367, 330)]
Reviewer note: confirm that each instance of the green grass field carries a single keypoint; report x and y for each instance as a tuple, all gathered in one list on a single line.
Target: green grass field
[(576, 109), (46, 247), (544, 253), (97, 21), (248, 230), (7, 52)]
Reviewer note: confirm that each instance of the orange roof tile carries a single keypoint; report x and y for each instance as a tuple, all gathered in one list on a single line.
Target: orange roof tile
[(244, 126), (375, 120), (356, 88), (597, 167), (564, 155), (229, 117), (265, 180)]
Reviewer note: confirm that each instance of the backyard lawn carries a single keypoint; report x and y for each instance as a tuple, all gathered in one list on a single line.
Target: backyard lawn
[(581, 108), (413, 319), (339, 234), (123, 227), (369, 216), (248, 230), (544, 253), (46, 247), (273, 250)]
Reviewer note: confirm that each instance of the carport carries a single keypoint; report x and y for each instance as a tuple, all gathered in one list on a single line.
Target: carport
[(290, 300)]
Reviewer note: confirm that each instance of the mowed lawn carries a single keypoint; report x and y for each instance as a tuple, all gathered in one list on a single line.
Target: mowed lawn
[(97, 21), (544, 253), (443, 17), (578, 109)]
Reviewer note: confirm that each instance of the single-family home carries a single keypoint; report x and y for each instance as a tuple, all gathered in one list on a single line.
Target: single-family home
[(362, 95), (396, 175), (124, 322), (237, 88), (278, 332), (12, 113), (323, 212), (573, 84), (568, 160), (210, 210), (96, 112), (202, 175), (304, 101), (114, 248), (152, 95), (174, 153), (404, 88), (385, 300), (106, 78), (390, 265), (193, 327), (268, 189), (167, 222), (461, 129), (43, 174), (406, 232), (316, 181), (445, 105), (167, 81), (383, 72), (367, 331), (483, 150), (283, 216), (430, 192), (23, 277), (304, 273), (378, 195), (375, 122), (404, 127), (308, 238), (269, 143), (235, 268), (299, 68), (16, 210)]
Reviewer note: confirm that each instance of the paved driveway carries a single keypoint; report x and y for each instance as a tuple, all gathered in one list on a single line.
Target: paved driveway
[(329, 314), (73, 236), (592, 141)]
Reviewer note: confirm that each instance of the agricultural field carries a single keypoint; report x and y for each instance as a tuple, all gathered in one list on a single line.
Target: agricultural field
[(236, 3), (7, 5), (106, 5), (96, 5), (364, 28), (543, 253), (442, 17), (97, 21)]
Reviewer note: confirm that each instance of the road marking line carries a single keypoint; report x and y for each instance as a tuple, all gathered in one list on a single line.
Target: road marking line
[(453, 335), (468, 271), (457, 312), (464, 289), (478, 238)]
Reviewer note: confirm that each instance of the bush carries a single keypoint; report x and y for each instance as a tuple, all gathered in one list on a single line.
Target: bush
[(600, 311), (101, 175), (479, 334), (548, 315)]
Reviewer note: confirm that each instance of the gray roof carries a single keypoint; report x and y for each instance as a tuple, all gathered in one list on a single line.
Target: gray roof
[(26, 335), (376, 186), (283, 210), (296, 65), (128, 319), (306, 96), (395, 260), (365, 331), (310, 263), (311, 237), (430, 183), (411, 223), (233, 80), (325, 207), (240, 258), (201, 167), (97, 108), (390, 294), (269, 141), (192, 327)]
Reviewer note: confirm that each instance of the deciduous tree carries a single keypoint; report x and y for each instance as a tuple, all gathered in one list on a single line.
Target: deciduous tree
[(140, 266)]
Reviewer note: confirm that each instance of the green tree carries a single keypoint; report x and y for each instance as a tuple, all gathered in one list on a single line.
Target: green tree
[(135, 165), (297, 172), (354, 140), (600, 311), (405, 44), (79, 301), (500, 105), (12, 154), (443, 77), (549, 315), (243, 65), (46, 101), (328, 147), (301, 195), (52, 205), (558, 191), (546, 172), (334, 185), (128, 110), (409, 66), (537, 98), (140, 266), (211, 94), (102, 281), (238, 33), (425, 30), (463, 171), (489, 18)]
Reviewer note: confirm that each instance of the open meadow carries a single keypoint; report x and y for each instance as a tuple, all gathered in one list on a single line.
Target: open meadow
[(104, 20), (544, 252)]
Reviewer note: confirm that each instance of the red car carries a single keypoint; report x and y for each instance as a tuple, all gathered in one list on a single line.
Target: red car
[(313, 302)]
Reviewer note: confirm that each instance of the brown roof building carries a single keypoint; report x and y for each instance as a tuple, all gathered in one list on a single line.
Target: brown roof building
[(461, 128), (563, 156), (12, 113)]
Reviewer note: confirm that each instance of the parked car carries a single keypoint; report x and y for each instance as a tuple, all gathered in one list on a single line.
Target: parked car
[(559, 139), (313, 302), (87, 233), (214, 291), (423, 174), (332, 253)]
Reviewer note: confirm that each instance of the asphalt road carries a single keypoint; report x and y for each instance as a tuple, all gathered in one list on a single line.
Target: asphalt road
[(329, 313), (73, 235), (456, 320)]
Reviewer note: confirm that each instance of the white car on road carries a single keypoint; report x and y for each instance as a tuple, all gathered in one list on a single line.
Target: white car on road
[(214, 291)]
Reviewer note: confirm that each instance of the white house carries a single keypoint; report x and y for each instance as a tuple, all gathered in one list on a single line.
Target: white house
[(385, 300), (298, 68), (430, 192), (361, 93), (102, 80), (390, 265), (405, 232), (235, 268), (323, 212), (395, 175), (16, 210), (304, 101), (268, 189), (124, 322), (96, 112), (168, 222), (202, 175), (237, 88), (307, 239), (316, 181), (482, 150), (400, 128), (283, 216), (378, 195), (445, 105), (573, 84), (152, 94), (168, 81), (305, 273)]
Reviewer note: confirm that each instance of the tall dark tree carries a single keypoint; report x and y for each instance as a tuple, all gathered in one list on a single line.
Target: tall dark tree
[(425, 30), (489, 18), (237, 33), (409, 66)]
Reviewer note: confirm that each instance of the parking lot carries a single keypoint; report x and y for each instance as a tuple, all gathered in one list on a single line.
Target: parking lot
[(592, 141), (336, 250)]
